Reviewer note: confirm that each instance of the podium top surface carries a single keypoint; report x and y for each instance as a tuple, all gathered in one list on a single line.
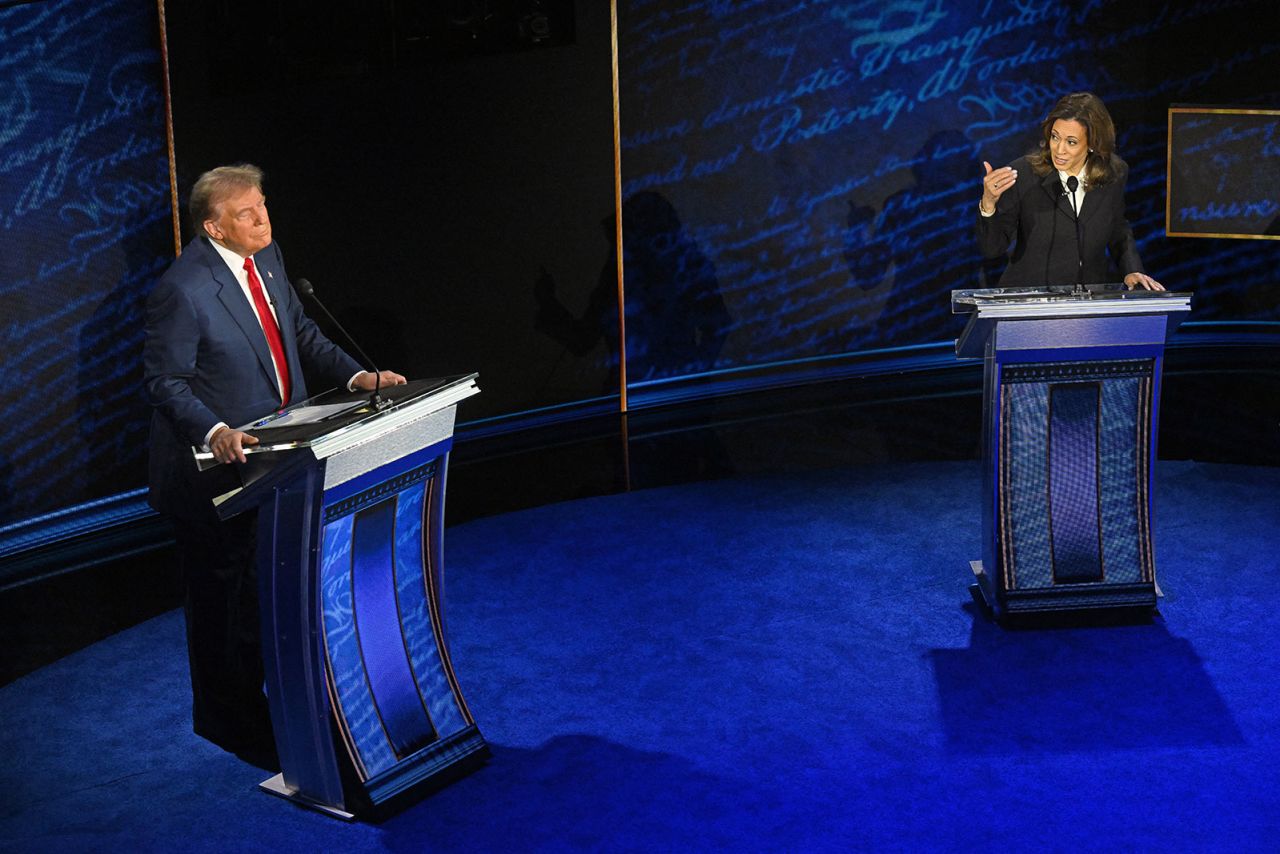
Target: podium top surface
[(1064, 301), (336, 419), (1060, 305)]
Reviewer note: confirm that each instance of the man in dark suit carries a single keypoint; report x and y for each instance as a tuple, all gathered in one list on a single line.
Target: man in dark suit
[(227, 341)]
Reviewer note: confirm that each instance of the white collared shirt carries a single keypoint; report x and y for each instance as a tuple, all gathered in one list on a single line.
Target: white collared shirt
[(1080, 190), (235, 262)]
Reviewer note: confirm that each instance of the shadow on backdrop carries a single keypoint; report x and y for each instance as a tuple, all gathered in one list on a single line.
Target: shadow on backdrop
[(112, 409), (676, 316), (921, 245)]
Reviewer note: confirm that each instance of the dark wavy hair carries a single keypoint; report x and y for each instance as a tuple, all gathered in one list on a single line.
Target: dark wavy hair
[(1087, 109)]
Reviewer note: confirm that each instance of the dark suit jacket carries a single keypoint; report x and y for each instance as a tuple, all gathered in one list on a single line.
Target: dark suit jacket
[(206, 360), (1037, 217)]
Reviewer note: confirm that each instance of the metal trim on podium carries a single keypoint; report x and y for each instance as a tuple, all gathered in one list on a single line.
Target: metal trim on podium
[(364, 701), (1071, 398)]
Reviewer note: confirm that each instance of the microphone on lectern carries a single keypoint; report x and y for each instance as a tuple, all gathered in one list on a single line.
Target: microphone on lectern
[(1073, 184), (305, 288)]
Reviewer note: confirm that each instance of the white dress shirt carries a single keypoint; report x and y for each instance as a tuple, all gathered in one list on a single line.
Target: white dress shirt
[(235, 262), (1080, 190)]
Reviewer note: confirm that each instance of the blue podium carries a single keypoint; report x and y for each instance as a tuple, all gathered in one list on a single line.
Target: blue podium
[(1071, 391), (350, 500)]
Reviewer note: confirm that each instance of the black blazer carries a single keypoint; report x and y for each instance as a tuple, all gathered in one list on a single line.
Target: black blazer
[(1036, 216)]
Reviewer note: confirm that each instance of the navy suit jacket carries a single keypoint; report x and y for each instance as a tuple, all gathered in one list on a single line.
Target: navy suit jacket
[(206, 360), (1036, 216)]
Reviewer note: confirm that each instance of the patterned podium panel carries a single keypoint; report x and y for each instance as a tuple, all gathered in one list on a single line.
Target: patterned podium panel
[(1075, 440), (396, 700)]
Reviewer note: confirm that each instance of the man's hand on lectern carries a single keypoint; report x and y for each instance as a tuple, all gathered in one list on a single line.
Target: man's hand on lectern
[(366, 381), (228, 444)]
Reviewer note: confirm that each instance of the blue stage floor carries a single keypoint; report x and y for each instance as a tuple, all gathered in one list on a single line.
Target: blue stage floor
[(782, 662)]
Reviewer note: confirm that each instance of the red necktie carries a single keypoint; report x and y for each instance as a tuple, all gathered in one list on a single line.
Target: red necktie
[(268, 321)]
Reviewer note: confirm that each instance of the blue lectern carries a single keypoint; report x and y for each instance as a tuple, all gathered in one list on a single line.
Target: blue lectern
[(1071, 394), (350, 502)]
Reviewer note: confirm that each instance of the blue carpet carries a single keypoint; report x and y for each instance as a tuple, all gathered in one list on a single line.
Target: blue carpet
[(768, 663)]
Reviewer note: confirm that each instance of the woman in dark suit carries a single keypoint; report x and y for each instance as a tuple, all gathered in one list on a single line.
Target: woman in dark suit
[(1062, 205)]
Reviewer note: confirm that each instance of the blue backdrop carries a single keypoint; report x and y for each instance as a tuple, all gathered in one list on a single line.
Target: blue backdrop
[(85, 227), (818, 163), (800, 182)]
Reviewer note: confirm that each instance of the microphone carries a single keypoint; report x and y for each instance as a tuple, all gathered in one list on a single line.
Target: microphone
[(305, 288), (1073, 184)]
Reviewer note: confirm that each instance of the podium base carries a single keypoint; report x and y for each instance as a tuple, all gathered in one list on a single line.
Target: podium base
[(277, 786), (1065, 606), (983, 596)]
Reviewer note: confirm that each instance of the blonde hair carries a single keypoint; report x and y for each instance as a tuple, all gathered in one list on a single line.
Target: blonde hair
[(216, 185)]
